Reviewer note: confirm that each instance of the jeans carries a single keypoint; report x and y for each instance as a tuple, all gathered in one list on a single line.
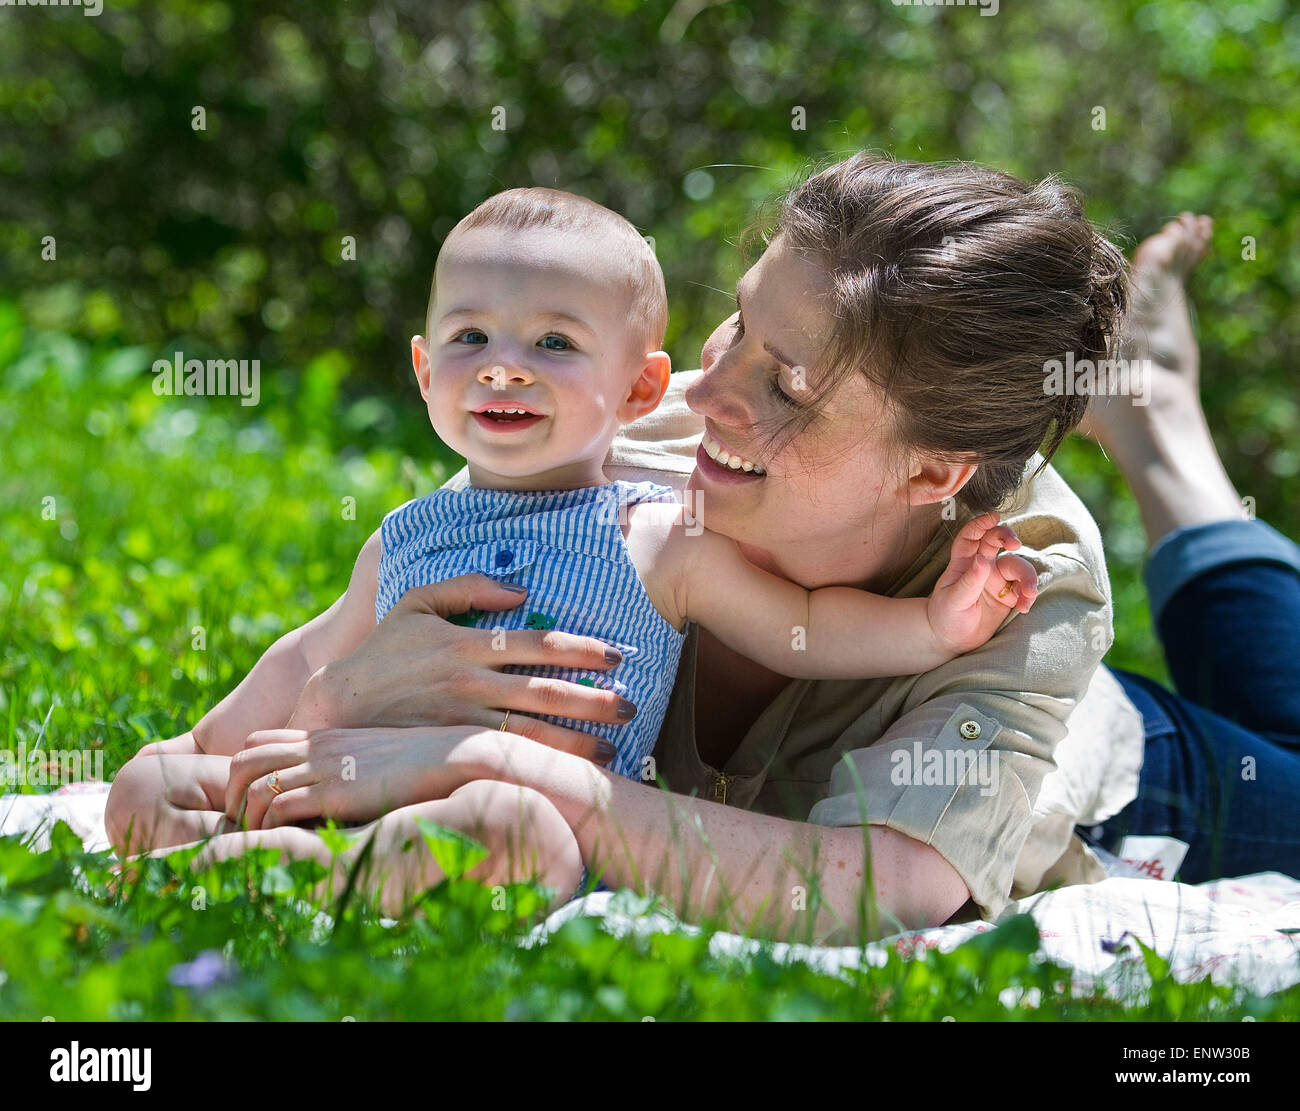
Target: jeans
[(1221, 770)]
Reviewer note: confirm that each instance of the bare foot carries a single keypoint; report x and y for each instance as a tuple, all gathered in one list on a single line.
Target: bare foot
[(1157, 333), (1157, 434)]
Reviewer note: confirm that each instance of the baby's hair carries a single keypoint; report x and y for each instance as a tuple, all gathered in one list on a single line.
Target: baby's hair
[(539, 207)]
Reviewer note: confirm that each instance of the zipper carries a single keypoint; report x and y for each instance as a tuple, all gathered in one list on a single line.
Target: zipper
[(720, 788)]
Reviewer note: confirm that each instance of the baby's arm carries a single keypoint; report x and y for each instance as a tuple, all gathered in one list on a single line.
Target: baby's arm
[(268, 694), (840, 632), (174, 791)]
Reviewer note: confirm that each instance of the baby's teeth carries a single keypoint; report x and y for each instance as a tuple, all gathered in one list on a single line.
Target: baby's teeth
[(722, 457)]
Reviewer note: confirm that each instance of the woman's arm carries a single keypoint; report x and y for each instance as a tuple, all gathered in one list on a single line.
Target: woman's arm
[(788, 879), (757, 872)]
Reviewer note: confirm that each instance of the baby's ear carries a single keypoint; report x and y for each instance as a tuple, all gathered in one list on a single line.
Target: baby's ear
[(648, 388), (420, 363)]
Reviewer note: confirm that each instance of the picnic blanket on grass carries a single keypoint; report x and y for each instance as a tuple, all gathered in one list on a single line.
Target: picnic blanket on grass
[(1243, 931)]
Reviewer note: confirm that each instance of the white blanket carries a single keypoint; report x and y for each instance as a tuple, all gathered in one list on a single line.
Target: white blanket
[(1233, 931), (1243, 931)]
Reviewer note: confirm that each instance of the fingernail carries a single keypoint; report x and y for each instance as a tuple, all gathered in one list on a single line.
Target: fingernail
[(605, 752), (625, 709), (515, 588), (613, 656)]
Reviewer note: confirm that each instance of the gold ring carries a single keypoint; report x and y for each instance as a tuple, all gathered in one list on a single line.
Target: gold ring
[(504, 721), (273, 781)]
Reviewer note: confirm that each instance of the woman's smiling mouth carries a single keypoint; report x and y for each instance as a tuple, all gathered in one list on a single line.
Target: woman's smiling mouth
[(716, 464), (729, 459)]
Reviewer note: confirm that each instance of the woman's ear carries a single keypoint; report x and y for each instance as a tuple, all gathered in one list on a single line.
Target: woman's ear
[(648, 388), (420, 362), (935, 480)]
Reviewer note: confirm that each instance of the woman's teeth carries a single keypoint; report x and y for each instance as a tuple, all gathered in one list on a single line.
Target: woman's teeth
[(714, 451)]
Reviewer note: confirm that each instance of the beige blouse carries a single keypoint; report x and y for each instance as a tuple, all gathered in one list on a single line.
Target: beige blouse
[(973, 758)]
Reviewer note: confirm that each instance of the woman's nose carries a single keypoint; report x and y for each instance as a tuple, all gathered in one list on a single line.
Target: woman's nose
[(717, 343), (720, 393)]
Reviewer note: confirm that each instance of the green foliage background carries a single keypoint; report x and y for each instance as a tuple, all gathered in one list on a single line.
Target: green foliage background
[(374, 120), (175, 517)]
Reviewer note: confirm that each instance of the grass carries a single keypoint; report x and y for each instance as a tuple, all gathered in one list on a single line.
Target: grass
[(155, 547), (240, 942)]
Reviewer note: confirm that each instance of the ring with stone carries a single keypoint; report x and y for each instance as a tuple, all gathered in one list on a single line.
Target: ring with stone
[(273, 781)]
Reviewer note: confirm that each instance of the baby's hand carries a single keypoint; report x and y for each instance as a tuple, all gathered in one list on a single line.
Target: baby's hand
[(978, 590)]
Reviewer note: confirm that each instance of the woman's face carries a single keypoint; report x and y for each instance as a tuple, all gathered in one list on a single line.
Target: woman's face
[(828, 505)]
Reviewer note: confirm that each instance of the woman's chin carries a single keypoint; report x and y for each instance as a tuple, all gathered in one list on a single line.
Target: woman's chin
[(722, 506)]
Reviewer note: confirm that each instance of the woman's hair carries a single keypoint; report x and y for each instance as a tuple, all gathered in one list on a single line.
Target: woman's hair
[(952, 287)]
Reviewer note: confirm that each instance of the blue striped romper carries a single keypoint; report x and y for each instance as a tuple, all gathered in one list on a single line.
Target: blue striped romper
[(566, 546)]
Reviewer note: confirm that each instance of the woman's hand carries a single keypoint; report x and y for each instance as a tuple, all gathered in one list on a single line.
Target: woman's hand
[(355, 775), (417, 668)]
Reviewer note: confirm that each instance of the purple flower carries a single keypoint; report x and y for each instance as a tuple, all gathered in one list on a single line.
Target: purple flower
[(1115, 946), (206, 970)]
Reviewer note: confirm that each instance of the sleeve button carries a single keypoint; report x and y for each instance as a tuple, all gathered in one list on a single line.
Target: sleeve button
[(970, 730)]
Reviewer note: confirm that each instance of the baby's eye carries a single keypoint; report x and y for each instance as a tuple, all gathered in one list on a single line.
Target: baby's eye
[(555, 343), (473, 335)]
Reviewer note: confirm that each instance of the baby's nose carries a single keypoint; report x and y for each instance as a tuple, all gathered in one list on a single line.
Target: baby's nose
[(501, 375)]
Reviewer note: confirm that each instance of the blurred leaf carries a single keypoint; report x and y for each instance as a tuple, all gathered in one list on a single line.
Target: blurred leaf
[(455, 853)]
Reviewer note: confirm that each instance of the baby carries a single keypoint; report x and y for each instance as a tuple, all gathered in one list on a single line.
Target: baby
[(544, 330)]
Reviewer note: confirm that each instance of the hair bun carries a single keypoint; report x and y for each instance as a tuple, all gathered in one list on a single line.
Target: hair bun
[(1108, 298)]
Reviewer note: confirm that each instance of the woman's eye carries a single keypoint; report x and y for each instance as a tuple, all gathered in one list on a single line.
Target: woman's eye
[(473, 335), (775, 387), (773, 383), (555, 343)]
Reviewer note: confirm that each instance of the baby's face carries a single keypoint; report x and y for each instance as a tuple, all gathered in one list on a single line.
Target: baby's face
[(533, 320)]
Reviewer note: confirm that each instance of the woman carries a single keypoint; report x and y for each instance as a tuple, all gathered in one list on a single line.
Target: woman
[(887, 369)]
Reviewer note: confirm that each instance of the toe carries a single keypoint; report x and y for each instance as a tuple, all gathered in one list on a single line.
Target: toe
[(1157, 251), (1193, 241)]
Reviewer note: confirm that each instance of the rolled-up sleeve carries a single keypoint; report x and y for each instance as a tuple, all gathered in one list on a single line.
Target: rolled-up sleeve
[(960, 765)]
